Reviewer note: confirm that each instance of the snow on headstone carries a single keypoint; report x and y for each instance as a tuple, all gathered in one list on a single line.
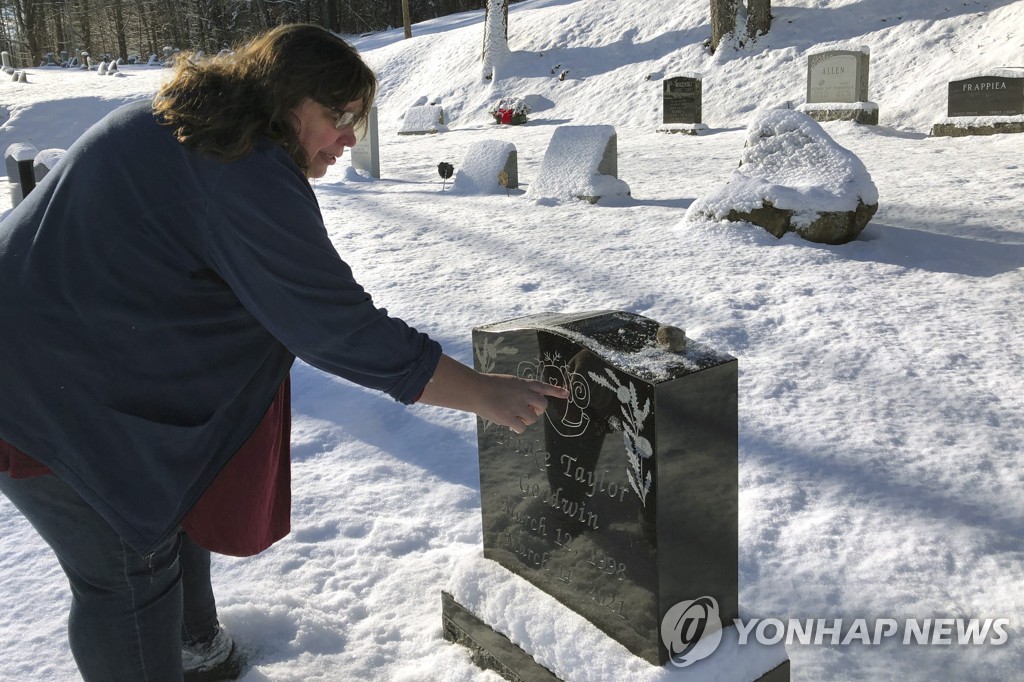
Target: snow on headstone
[(8, 68), (424, 119), (793, 177), (102, 69), (581, 162), (484, 162), (44, 161)]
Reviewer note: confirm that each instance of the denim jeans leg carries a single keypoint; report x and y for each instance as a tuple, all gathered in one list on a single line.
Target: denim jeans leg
[(199, 619), (126, 608)]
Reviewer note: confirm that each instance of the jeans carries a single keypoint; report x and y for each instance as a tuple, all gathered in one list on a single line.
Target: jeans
[(130, 613)]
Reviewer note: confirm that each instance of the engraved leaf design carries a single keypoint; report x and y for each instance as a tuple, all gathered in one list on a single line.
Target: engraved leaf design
[(638, 448)]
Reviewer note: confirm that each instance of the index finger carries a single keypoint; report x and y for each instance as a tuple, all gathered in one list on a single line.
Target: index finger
[(549, 389)]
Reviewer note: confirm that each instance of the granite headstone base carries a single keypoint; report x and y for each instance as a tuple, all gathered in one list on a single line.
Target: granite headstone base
[(865, 113), (975, 127), (537, 616), (684, 128)]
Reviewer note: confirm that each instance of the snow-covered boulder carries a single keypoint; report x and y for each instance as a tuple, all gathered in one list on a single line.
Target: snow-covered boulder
[(793, 177)]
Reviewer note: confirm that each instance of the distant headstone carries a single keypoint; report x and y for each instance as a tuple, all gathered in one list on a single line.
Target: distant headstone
[(19, 159), (22, 77), (44, 162), (112, 68), (987, 96), (102, 69), (422, 120), (6, 57), (837, 87), (984, 104), (365, 156), (153, 61), (681, 104), (621, 501), (484, 162), (581, 162)]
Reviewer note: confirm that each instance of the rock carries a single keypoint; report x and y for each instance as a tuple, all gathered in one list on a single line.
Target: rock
[(671, 338), (793, 177)]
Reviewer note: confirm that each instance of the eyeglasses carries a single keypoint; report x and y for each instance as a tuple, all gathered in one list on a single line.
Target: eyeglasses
[(341, 119)]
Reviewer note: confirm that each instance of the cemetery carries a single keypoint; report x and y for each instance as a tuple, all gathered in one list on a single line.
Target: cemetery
[(832, 211)]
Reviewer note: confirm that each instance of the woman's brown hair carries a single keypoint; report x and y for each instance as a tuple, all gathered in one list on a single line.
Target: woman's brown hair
[(222, 106)]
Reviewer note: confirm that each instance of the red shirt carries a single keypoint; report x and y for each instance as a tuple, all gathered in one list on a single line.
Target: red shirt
[(247, 508)]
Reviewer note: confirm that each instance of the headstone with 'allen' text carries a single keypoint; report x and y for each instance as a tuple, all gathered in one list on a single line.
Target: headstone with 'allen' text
[(837, 86), (621, 501)]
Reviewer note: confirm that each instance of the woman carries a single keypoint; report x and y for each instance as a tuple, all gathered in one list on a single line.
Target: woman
[(154, 292)]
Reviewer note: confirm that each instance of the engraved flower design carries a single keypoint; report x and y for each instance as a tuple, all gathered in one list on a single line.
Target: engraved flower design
[(638, 447)]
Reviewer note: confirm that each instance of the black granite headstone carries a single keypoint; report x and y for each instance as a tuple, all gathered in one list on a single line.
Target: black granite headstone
[(986, 96), (681, 100), (621, 501)]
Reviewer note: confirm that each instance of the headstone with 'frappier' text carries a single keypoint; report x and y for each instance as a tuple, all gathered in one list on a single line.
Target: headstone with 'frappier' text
[(984, 103), (987, 96)]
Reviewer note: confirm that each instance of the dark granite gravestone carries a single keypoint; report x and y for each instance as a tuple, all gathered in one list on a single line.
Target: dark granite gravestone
[(19, 159), (986, 96), (681, 100), (622, 501)]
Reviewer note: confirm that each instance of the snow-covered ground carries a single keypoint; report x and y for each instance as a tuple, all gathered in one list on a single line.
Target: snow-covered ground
[(881, 396)]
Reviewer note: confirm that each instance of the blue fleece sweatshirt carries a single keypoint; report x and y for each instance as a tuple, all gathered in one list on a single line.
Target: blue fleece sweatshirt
[(152, 299)]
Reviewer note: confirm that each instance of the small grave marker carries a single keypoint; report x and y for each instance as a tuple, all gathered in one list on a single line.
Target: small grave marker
[(483, 166), (423, 120), (681, 104), (44, 162), (365, 156), (19, 159), (580, 162)]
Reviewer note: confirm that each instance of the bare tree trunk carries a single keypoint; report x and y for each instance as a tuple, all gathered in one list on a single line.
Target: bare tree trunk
[(406, 19), (119, 30), (495, 36), (723, 20), (759, 17)]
